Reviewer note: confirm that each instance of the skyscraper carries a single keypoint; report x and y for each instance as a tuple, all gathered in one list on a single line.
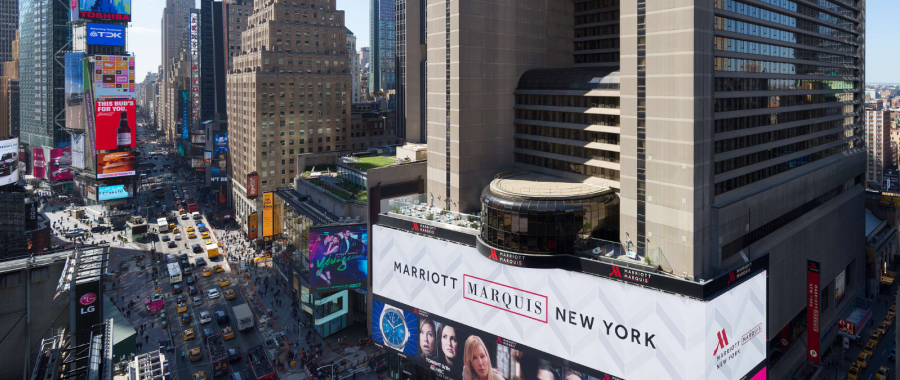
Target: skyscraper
[(354, 66), (174, 26), (237, 11), (411, 70), (382, 40), (9, 24), (880, 154)]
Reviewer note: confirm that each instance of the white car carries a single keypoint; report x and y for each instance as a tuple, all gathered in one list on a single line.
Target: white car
[(213, 293), (204, 317), (177, 236)]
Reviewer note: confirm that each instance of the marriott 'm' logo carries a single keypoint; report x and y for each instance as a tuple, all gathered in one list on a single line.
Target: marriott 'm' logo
[(615, 272), (723, 341), (493, 255), (424, 228)]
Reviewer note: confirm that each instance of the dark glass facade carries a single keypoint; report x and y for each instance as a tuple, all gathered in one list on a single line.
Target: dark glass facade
[(546, 225)]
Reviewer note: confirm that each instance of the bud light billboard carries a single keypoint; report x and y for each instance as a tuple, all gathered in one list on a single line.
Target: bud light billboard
[(338, 258), (103, 34)]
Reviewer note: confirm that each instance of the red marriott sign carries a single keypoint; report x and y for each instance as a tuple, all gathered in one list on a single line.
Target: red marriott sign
[(813, 323)]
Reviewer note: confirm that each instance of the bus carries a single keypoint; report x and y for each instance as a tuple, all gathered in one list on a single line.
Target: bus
[(174, 273), (163, 226)]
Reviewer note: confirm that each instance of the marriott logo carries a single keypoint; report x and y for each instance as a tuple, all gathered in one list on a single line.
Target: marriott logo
[(423, 228)]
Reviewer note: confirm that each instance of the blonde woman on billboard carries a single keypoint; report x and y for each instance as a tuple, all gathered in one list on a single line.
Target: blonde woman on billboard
[(477, 364)]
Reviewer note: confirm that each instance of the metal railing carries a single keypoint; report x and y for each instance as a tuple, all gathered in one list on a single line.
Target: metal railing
[(416, 206)]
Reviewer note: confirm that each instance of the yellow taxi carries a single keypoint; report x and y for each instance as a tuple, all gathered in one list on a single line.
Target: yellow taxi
[(189, 229), (883, 373), (194, 354), (262, 257), (893, 310), (218, 268), (854, 372), (206, 272), (889, 320), (882, 328), (227, 333), (182, 211), (208, 242), (199, 375), (171, 226), (229, 294), (223, 282), (863, 360), (870, 346), (192, 235), (876, 336), (188, 334), (205, 235), (182, 307), (176, 230)]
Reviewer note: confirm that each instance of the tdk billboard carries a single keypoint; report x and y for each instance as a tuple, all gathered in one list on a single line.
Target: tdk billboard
[(103, 34)]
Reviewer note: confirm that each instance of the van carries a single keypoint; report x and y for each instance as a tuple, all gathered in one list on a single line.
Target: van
[(196, 215)]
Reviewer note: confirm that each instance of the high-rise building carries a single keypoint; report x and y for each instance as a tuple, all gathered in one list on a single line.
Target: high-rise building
[(43, 31), (411, 47), (382, 40), (174, 26), (364, 55), (238, 11), (207, 62), (9, 94), (879, 152), (354, 66), (9, 24), (288, 93)]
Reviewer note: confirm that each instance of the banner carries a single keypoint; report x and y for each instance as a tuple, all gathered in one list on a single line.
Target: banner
[(89, 305), (593, 325), (9, 161), (185, 113), (194, 43), (116, 125), (75, 117), (119, 164), (106, 193), (113, 77), (91, 146), (60, 165), (251, 226), (78, 151), (267, 200), (38, 163), (813, 335), (105, 34), (221, 145), (338, 257), (252, 185), (118, 10)]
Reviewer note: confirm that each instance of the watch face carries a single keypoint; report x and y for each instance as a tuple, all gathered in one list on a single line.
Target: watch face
[(393, 328)]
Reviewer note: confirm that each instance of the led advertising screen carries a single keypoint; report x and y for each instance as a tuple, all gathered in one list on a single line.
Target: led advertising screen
[(78, 151), (106, 193), (200, 139), (396, 328), (593, 325), (105, 34), (194, 35), (118, 164), (60, 165), (252, 225), (119, 10), (116, 125), (113, 77), (38, 163), (268, 200), (221, 147), (338, 257), (185, 113), (75, 117), (252, 185), (197, 163), (9, 161)]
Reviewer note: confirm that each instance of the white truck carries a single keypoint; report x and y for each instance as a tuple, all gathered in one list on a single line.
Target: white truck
[(163, 226), (243, 316)]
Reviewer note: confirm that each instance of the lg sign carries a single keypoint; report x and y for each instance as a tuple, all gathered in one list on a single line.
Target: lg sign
[(87, 300)]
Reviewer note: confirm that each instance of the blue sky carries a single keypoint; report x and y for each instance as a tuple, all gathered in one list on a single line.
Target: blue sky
[(882, 52)]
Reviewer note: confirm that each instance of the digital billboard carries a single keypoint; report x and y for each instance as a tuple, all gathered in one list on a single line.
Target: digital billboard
[(38, 163), (59, 167), (593, 325), (113, 77), (89, 301), (78, 151), (197, 163), (115, 124), (9, 161), (268, 200), (200, 139), (337, 257), (106, 193), (119, 10), (105, 34), (252, 226), (75, 117), (395, 328), (185, 113), (221, 145), (194, 43), (118, 164), (252, 185)]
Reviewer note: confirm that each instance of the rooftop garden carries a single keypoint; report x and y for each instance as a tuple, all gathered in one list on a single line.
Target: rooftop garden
[(366, 163)]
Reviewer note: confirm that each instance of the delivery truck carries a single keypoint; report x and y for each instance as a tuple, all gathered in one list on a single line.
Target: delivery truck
[(243, 316)]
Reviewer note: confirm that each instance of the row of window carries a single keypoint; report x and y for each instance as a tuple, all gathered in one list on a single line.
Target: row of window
[(815, 13), (740, 46), (750, 29), (569, 134), (568, 117), (597, 58), (763, 84), (609, 43), (569, 167), (597, 17), (595, 4), (757, 102), (769, 67), (568, 101), (746, 179), (744, 122), (568, 150), (602, 30), (778, 18), (781, 151), (728, 145)]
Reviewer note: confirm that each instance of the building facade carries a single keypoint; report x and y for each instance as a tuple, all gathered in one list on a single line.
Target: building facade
[(382, 41), (9, 25), (880, 152), (411, 48), (174, 27), (236, 22), (9, 94), (354, 66)]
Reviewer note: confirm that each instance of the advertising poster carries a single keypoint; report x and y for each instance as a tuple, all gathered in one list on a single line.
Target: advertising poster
[(840, 287), (221, 146), (91, 146), (116, 125), (251, 226), (194, 43), (106, 193), (105, 34), (78, 151), (252, 185), (118, 164), (75, 117), (60, 165), (23, 159), (532, 315), (89, 302), (395, 328), (338, 257), (185, 113), (119, 10), (38, 163), (207, 157), (813, 310), (9, 161), (113, 77), (267, 202), (200, 139), (197, 163)]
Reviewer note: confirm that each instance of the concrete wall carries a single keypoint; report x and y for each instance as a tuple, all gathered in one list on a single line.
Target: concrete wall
[(333, 205), (315, 159)]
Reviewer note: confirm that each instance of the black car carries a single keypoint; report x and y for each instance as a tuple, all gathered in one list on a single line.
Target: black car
[(176, 289), (197, 248), (187, 271), (234, 354), (165, 238), (192, 290), (172, 244), (100, 229), (184, 264), (119, 228), (221, 317), (184, 256), (208, 332), (200, 261), (186, 318), (181, 298), (189, 280)]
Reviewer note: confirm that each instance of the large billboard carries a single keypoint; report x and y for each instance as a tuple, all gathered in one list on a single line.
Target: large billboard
[(38, 163), (59, 167), (78, 151), (185, 113), (116, 124), (118, 164), (194, 43), (252, 185), (252, 222), (338, 257), (593, 325), (88, 300), (113, 77), (118, 10), (105, 34), (221, 145), (9, 161), (106, 193), (75, 117), (813, 310), (268, 204)]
